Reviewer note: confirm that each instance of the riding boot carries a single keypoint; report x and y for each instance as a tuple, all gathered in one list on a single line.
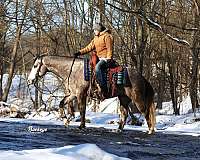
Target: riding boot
[(104, 92)]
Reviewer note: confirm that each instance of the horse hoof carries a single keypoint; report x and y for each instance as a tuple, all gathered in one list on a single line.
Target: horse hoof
[(119, 130), (66, 122), (151, 132), (81, 127)]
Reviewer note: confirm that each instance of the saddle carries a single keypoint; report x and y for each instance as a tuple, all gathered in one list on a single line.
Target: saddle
[(116, 75)]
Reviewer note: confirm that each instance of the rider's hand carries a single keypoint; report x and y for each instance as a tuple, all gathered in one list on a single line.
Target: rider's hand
[(109, 62), (77, 54)]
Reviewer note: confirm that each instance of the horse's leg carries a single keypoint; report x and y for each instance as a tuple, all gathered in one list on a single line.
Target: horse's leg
[(82, 112), (133, 109), (148, 110), (151, 119), (123, 117), (82, 98), (141, 106), (138, 99), (124, 101), (61, 108), (68, 103), (70, 113)]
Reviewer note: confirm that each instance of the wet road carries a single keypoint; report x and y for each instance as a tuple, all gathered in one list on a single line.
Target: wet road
[(131, 144)]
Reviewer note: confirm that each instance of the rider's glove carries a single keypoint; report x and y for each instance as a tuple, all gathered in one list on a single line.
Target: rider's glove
[(77, 54), (109, 62)]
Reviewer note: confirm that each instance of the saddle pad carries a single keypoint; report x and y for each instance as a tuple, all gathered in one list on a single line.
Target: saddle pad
[(87, 69)]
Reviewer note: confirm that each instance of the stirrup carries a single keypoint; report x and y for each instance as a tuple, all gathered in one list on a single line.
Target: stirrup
[(104, 92)]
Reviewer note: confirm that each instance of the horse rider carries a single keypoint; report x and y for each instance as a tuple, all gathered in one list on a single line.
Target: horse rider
[(102, 44)]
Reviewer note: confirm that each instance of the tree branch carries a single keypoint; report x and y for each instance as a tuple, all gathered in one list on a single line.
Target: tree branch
[(152, 24)]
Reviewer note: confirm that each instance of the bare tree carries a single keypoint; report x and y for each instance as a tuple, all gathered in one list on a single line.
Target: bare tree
[(19, 25), (101, 6), (2, 42), (158, 38), (195, 55)]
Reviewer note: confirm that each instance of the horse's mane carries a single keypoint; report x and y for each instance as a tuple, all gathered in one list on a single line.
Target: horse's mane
[(57, 56), (62, 56), (62, 61)]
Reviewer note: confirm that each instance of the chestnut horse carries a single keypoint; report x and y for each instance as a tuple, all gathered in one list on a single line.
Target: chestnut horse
[(70, 70)]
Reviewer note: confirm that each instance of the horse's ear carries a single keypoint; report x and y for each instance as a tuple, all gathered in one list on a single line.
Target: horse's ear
[(35, 58), (37, 55), (29, 52)]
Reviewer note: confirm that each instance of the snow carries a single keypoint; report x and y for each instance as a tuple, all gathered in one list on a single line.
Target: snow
[(108, 117), (185, 107), (154, 23), (183, 124), (79, 152), (178, 40), (109, 105), (166, 122)]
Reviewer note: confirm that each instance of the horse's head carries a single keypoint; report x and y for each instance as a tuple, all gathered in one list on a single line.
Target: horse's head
[(38, 70)]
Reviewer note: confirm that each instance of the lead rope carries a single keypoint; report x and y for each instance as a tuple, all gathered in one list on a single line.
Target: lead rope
[(70, 71)]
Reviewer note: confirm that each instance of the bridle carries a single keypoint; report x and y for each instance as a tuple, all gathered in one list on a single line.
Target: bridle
[(38, 71), (38, 76)]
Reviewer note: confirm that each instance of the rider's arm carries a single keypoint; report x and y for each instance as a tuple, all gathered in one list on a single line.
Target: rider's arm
[(109, 46), (88, 48)]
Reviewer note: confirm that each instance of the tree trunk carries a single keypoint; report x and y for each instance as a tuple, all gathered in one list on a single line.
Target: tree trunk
[(141, 41), (12, 65), (14, 54), (195, 55), (2, 42), (1, 76), (161, 86), (36, 102), (66, 17), (101, 6), (1, 79), (172, 84), (38, 94)]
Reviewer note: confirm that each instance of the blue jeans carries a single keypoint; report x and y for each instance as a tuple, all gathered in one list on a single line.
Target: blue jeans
[(100, 70)]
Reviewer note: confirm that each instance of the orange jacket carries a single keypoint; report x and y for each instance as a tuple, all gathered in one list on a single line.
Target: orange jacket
[(103, 44)]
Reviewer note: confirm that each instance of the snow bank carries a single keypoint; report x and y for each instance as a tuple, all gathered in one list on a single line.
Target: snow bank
[(183, 124), (79, 152), (185, 107)]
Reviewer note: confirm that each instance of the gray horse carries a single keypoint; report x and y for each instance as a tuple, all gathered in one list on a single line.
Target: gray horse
[(139, 92)]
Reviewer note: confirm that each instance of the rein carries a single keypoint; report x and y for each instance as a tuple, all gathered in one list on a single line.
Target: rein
[(70, 73)]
